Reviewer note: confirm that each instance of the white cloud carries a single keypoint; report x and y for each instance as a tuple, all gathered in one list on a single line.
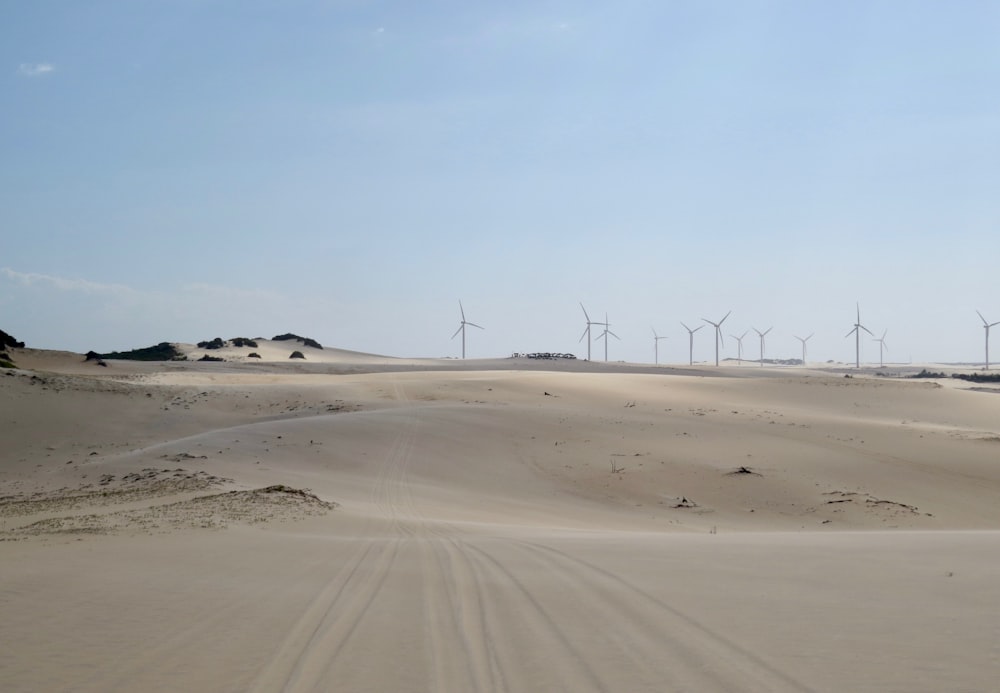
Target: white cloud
[(35, 69), (64, 284)]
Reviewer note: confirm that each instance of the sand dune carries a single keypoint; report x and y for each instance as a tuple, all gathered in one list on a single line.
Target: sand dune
[(356, 523)]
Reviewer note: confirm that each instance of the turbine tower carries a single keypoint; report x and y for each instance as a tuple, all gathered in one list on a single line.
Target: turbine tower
[(718, 334), (586, 331), (804, 346), (762, 335), (987, 326), (656, 346), (691, 342), (857, 338), (605, 334), (881, 346), (461, 327), (739, 347)]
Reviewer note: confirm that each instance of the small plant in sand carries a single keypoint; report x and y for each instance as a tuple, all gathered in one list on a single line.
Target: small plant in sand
[(297, 355), (616, 468)]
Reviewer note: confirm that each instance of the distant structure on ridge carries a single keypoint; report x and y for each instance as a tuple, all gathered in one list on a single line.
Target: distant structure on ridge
[(718, 334), (857, 337), (656, 346), (461, 327), (586, 331), (762, 335), (987, 326), (804, 346), (691, 342), (607, 331)]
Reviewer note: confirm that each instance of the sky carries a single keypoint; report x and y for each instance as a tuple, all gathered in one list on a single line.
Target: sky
[(179, 170)]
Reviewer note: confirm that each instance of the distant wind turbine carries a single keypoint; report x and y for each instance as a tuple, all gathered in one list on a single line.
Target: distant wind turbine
[(881, 346), (739, 347), (857, 338), (691, 342), (804, 346), (461, 327), (718, 334), (656, 346), (987, 326), (762, 335), (586, 331), (607, 331)]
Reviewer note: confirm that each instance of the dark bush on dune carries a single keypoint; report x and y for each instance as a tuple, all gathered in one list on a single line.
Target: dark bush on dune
[(7, 340), (305, 340), (216, 343), (164, 351), (253, 355), (297, 355), (243, 342), (206, 357)]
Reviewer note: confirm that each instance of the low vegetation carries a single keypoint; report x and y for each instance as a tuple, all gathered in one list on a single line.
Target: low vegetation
[(206, 357), (297, 355), (7, 340), (294, 337), (970, 377), (164, 351), (216, 343)]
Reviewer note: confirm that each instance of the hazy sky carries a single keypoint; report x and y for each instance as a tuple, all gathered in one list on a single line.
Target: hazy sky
[(178, 170)]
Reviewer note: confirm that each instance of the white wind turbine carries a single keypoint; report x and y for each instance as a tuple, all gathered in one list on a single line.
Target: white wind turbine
[(739, 347), (586, 331), (987, 326), (656, 346), (607, 331), (718, 334), (461, 327), (762, 335), (691, 342), (857, 338), (881, 346), (804, 346)]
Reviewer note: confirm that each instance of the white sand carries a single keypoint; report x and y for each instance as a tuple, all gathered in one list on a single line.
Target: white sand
[(481, 540)]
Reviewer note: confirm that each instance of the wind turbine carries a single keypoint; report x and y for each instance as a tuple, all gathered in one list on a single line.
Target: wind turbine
[(739, 346), (691, 342), (605, 334), (461, 327), (881, 346), (804, 346), (857, 338), (586, 331), (718, 334), (761, 335), (656, 345), (987, 326)]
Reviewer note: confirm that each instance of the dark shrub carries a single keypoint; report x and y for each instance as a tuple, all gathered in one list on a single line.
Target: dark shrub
[(253, 355), (305, 340), (243, 342), (7, 340), (216, 343), (297, 355), (164, 351), (206, 357)]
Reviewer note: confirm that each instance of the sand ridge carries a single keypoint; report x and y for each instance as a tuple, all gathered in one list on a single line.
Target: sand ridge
[(499, 525)]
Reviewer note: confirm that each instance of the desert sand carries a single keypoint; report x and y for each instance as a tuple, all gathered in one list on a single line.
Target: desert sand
[(359, 523)]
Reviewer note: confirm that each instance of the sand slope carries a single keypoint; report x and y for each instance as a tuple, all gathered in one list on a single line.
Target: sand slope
[(374, 525)]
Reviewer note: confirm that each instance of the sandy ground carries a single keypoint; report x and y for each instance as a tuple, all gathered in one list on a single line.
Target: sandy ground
[(369, 524)]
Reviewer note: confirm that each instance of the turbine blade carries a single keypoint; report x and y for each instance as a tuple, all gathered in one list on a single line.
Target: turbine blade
[(810, 336), (768, 330), (584, 311), (981, 317), (993, 324), (461, 309), (685, 326), (458, 330), (851, 332), (697, 328), (475, 325), (584, 334), (866, 330), (614, 335), (724, 319)]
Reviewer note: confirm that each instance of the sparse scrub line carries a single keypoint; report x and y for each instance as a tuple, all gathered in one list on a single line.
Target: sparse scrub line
[(970, 377)]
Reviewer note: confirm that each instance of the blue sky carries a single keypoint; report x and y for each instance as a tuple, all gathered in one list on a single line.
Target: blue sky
[(185, 169)]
